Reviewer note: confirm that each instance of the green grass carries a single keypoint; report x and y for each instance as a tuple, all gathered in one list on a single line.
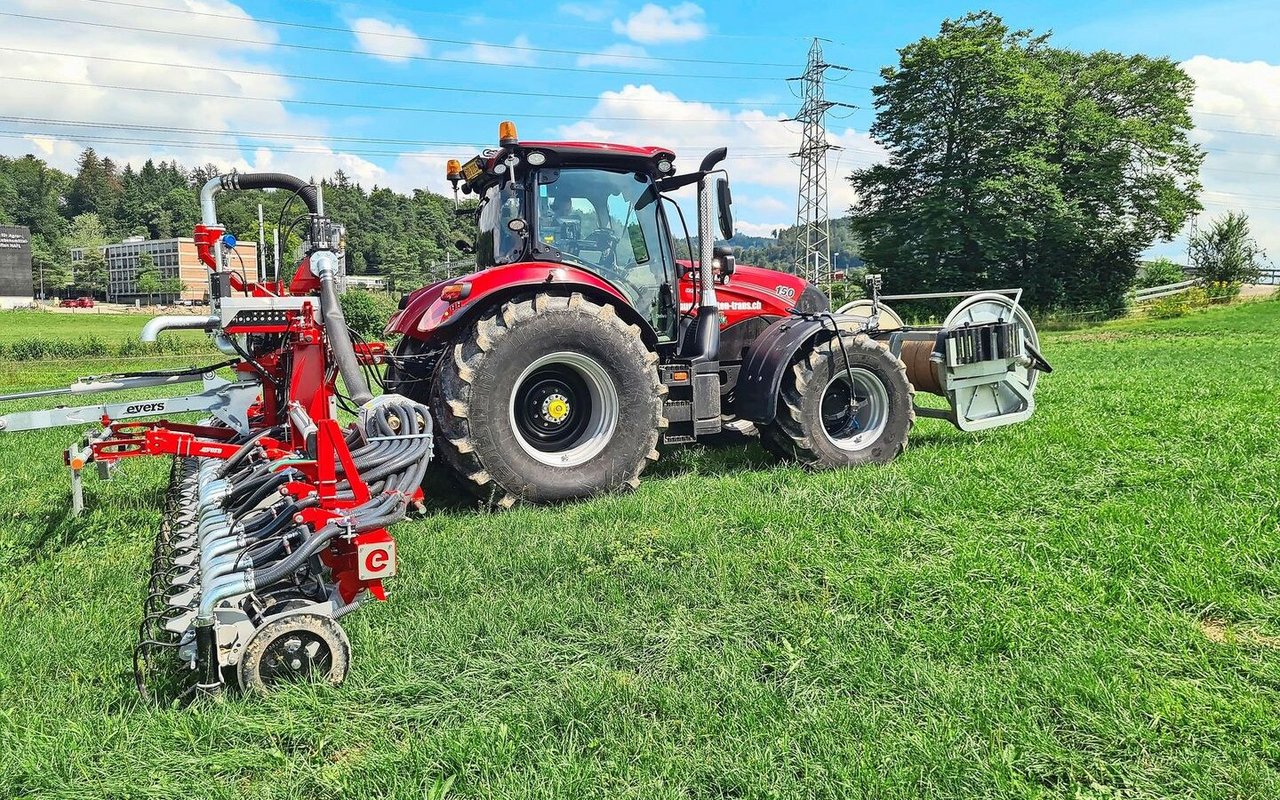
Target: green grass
[(16, 325), (59, 335), (1020, 613)]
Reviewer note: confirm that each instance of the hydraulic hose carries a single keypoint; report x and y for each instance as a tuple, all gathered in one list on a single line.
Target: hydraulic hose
[(245, 450), (275, 180), (243, 499), (324, 264)]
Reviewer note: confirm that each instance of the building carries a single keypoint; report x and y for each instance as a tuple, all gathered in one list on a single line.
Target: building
[(173, 258), (372, 283), (15, 266)]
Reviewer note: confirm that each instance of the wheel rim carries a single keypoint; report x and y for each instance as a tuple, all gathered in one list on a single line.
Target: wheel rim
[(855, 426), (564, 409), (295, 656)]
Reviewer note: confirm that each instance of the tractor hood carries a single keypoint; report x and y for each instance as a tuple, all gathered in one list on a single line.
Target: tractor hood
[(754, 292), (443, 303)]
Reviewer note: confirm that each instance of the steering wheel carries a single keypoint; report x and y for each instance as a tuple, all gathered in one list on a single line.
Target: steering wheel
[(607, 241)]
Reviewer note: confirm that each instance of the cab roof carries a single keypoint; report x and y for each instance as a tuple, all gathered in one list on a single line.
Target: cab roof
[(570, 154), (600, 149)]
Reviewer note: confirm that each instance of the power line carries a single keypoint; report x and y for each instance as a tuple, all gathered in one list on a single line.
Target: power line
[(334, 103), (292, 136), (274, 135), (417, 38), (559, 24), (348, 51), (361, 82), (297, 148), (237, 133)]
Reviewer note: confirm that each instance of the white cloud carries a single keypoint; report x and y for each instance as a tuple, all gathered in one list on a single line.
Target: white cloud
[(590, 12), (654, 24), (387, 41), (84, 93), (619, 55), (755, 228), (512, 55), (422, 170), (764, 176), (1235, 110)]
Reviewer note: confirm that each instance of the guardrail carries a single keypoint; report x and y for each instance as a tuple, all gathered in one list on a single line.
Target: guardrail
[(1156, 292)]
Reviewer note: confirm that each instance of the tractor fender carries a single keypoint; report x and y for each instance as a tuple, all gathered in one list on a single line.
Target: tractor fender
[(760, 379), (426, 316)]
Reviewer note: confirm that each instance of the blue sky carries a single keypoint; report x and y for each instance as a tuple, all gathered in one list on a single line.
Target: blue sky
[(407, 85)]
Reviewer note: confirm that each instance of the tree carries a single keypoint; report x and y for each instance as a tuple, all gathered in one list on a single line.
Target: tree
[(148, 280), (403, 272), (50, 267), (1159, 272), (171, 288), (8, 199), (1226, 253), (88, 234), (96, 188), (92, 274), (87, 231), (1015, 163), (38, 199)]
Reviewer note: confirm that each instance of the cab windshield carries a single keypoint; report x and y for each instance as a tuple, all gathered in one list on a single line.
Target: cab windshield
[(608, 222)]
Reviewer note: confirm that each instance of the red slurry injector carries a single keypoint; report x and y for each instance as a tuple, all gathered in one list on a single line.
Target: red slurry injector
[(276, 515)]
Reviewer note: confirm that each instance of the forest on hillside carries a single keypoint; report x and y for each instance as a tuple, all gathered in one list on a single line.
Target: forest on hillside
[(405, 238), (402, 237)]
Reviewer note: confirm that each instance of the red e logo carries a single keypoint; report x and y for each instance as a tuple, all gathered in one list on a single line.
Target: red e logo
[(377, 560)]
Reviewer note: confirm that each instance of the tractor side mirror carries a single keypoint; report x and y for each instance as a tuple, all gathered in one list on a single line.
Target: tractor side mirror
[(725, 201), (464, 246)]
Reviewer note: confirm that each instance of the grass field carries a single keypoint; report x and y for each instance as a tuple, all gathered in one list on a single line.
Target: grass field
[(1083, 606), (72, 324)]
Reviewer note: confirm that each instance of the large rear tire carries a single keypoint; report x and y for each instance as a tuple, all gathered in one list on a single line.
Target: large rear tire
[(546, 398), (816, 423)]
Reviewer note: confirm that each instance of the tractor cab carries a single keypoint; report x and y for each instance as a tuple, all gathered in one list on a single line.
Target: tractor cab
[(588, 206)]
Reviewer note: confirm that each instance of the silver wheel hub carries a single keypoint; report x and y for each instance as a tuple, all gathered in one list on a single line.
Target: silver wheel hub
[(564, 409), (854, 408)]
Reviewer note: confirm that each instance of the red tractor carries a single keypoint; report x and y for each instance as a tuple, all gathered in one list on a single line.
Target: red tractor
[(583, 342)]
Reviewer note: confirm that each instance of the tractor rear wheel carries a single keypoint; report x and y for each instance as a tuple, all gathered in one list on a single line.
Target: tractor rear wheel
[(842, 405), (548, 397)]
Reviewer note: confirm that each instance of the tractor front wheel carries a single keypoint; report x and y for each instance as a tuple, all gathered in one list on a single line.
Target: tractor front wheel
[(546, 398), (845, 401)]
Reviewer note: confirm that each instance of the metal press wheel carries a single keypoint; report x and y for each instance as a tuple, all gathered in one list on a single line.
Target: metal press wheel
[(294, 648)]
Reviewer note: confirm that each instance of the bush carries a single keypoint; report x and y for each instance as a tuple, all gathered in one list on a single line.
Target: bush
[(367, 313), (36, 349), (1223, 291), (1226, 252), (1160, 272), (1177, 305)]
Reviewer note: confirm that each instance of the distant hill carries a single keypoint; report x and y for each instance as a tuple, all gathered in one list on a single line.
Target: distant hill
[(780, 253)]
